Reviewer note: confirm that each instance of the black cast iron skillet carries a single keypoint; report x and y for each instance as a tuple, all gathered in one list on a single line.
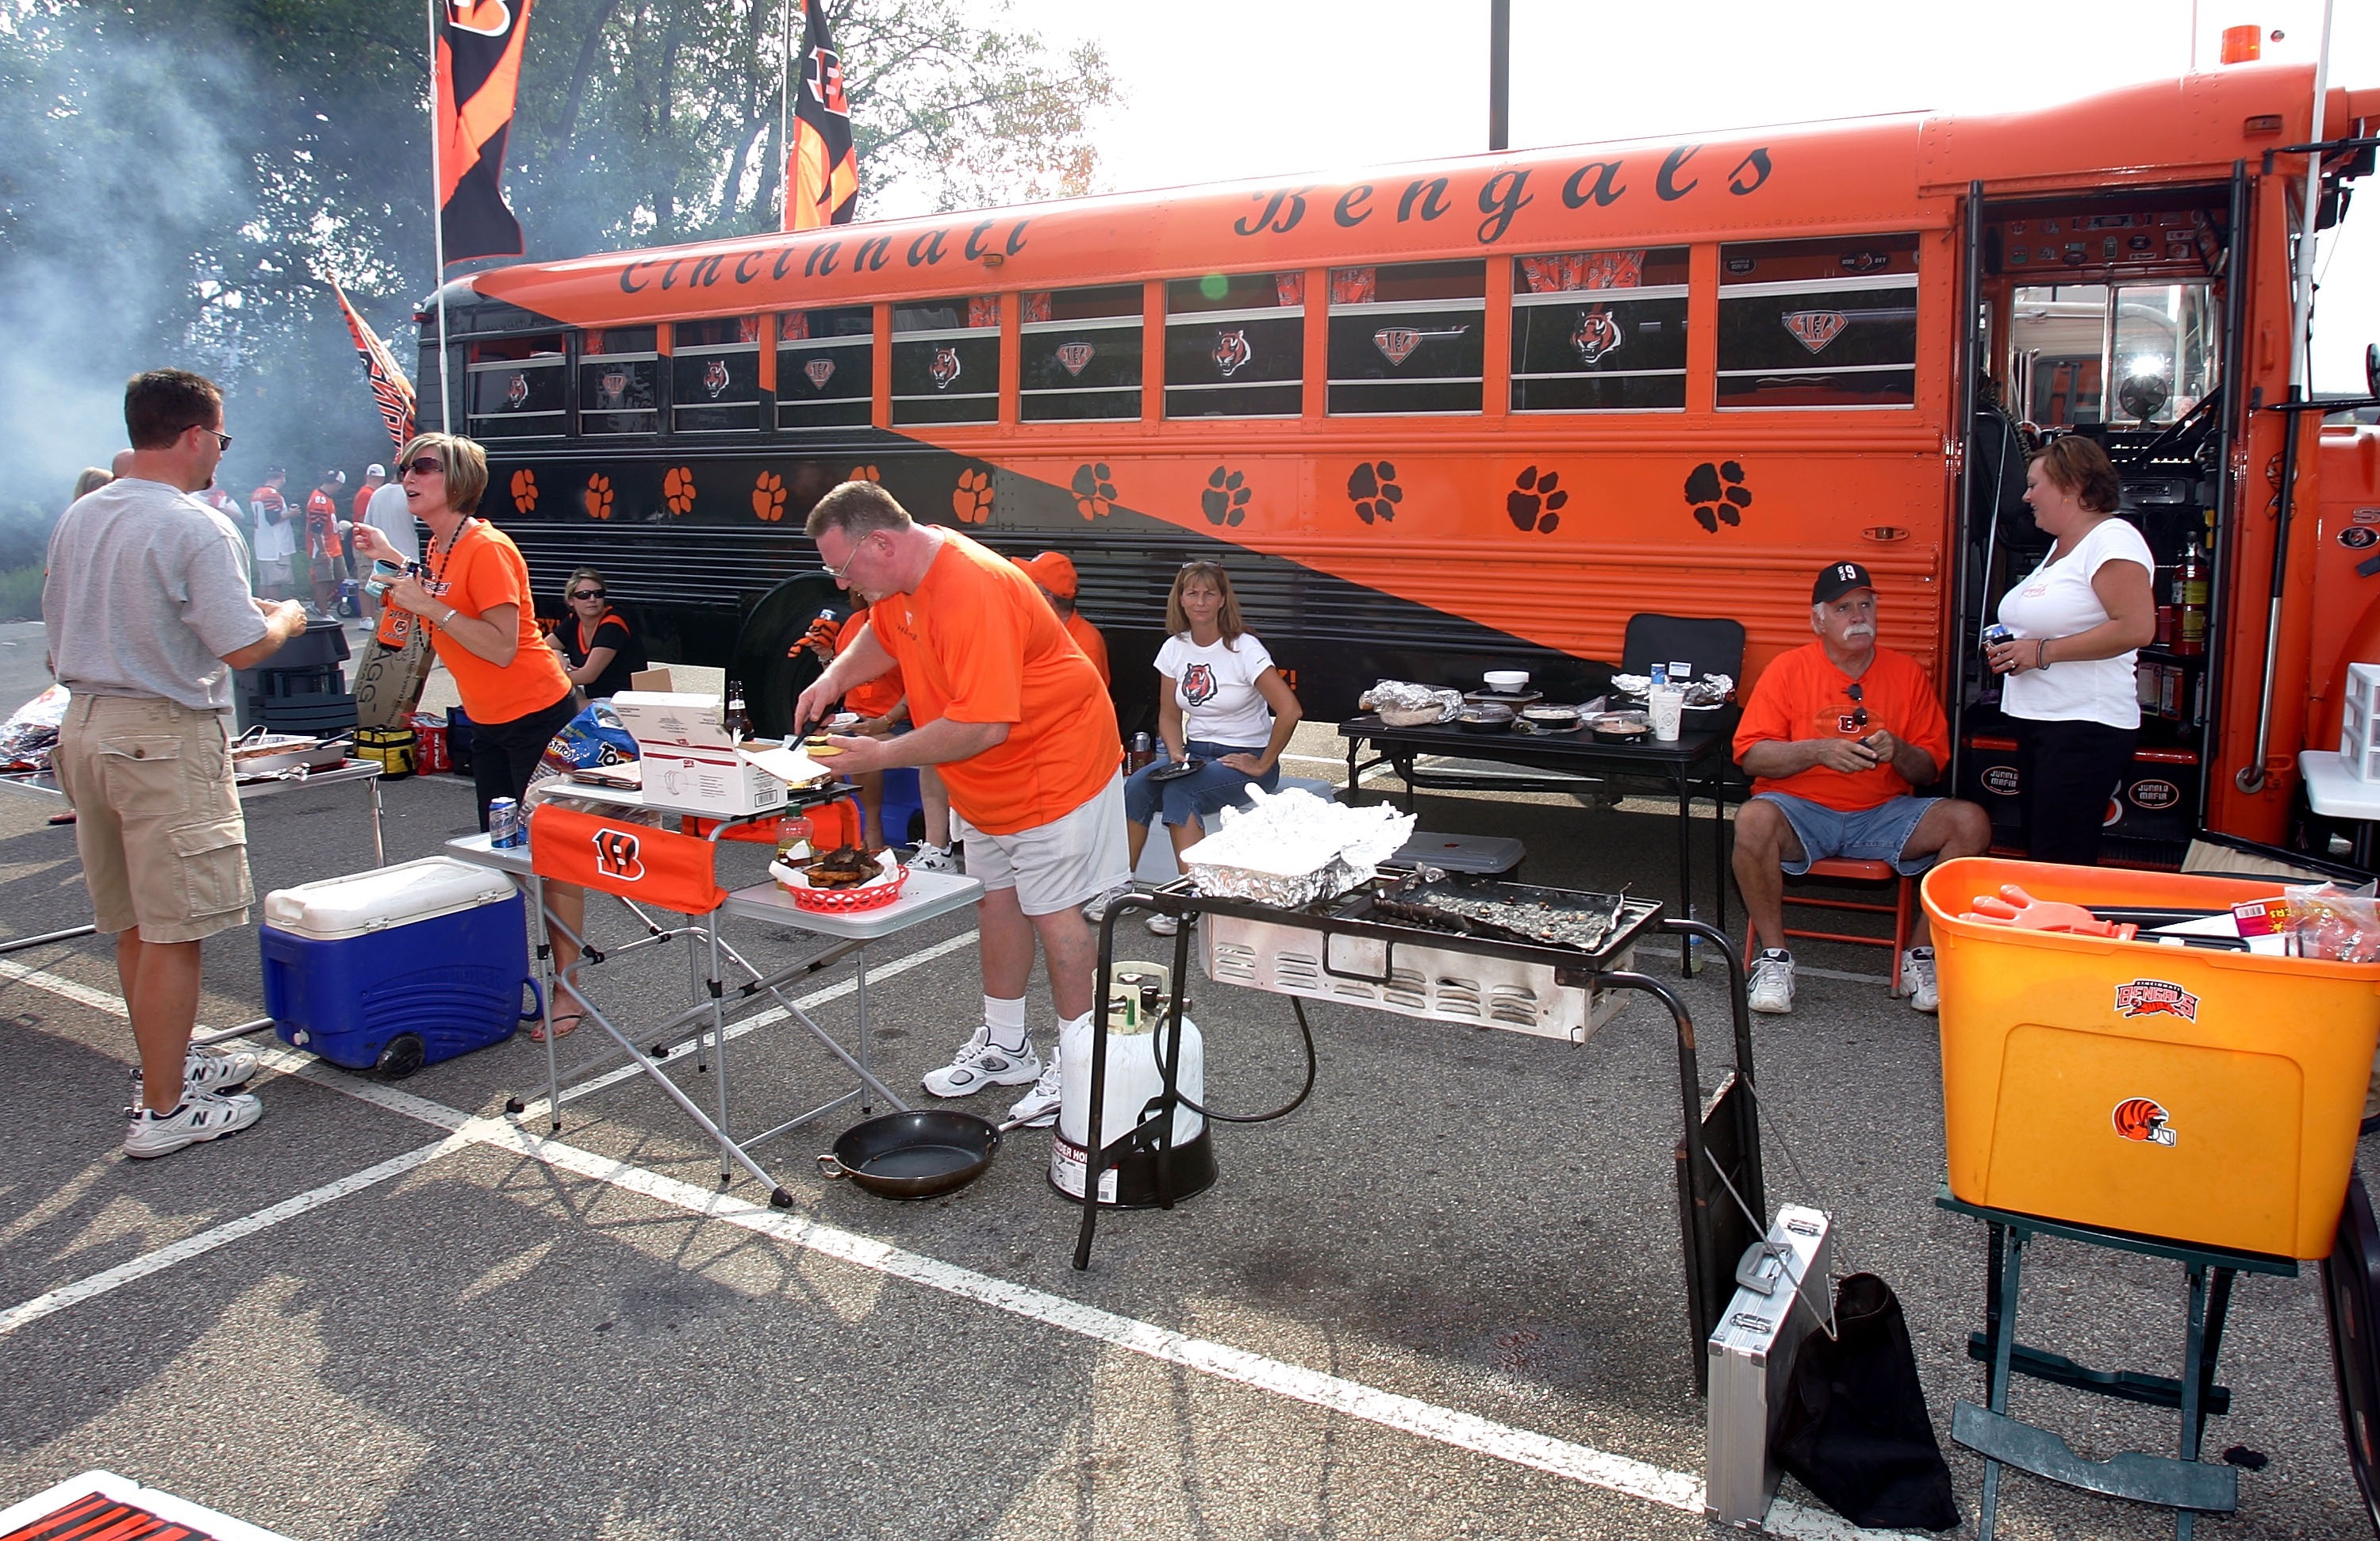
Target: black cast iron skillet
[(916, 1154)]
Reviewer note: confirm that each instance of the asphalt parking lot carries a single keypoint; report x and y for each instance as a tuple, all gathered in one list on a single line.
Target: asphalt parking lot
[(1443, 1298)]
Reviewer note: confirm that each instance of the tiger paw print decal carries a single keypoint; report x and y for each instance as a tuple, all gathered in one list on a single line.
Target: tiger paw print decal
[(1225, 501), (1095, 495), (769, 497), (524, 491), (863, 473), (1717, 493), (598, 496), (677, 489), (1534, 502), (1374, 487), (971, 499)]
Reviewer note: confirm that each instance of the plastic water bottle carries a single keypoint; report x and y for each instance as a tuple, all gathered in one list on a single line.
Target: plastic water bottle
[(1694, 943), (1660, 673)]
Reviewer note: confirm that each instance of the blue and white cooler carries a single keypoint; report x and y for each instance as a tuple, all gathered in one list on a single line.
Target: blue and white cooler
[(399, 967)]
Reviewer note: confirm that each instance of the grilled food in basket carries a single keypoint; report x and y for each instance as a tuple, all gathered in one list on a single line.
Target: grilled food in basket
[(846, 867)]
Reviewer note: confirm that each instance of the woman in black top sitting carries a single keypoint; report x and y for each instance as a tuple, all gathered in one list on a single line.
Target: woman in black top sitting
[(598, 649)]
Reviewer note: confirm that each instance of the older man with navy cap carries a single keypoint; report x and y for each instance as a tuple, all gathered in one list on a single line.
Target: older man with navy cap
[(1837, 736)]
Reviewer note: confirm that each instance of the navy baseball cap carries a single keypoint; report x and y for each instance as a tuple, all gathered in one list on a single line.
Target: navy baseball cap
[(1838, 578)]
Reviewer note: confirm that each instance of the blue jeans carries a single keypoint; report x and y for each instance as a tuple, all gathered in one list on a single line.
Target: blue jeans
[(1199, 796), (1872, 834)]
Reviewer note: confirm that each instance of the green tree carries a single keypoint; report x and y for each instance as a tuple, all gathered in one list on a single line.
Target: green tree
[(176, 178)]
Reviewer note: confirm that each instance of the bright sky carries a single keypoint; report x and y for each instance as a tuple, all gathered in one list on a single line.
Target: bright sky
[(1223, 88)]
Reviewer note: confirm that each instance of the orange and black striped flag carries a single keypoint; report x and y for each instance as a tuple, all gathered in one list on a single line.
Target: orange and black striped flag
[(392, 392), (478, 63), (822, 169)]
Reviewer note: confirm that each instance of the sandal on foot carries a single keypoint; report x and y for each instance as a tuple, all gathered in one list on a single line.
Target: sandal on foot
[(564, 1026)]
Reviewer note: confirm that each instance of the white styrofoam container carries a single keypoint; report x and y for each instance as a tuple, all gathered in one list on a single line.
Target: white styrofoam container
[(334, 909), (1751, 1355)]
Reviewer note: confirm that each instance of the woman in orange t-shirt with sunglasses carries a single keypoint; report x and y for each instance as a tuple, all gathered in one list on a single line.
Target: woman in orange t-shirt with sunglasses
[(473, 594)]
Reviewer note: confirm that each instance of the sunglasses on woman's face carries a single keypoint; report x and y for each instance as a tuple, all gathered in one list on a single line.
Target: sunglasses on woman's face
[(427, 465), (588, 594)]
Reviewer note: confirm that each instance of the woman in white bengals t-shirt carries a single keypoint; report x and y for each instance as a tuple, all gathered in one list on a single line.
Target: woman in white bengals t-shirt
[(1222, 701), (2079, 619)]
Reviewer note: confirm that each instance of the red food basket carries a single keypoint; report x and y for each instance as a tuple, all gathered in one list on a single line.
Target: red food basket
[(845, 901)]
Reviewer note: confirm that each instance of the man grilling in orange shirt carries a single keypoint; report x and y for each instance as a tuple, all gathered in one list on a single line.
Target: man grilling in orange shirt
[(1836, 734), (1007, 706)]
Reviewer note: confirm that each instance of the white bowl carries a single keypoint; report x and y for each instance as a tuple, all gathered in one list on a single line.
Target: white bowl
[(1507, 680)]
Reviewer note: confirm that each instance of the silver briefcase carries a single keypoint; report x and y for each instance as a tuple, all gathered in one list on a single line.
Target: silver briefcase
[(1784, 1291)]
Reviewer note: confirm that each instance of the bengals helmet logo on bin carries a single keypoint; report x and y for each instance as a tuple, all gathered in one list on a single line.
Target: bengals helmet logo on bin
[(615, 855), (2139, 1118)]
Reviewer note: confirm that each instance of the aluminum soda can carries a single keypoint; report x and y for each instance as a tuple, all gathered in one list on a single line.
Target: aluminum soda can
[(506, 831)]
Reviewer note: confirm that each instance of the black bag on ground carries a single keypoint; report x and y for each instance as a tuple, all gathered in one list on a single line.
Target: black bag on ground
[(1854, 1429)]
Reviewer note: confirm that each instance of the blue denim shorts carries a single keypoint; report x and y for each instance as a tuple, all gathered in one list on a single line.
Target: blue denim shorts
[(1199, 796), (1871, 834)]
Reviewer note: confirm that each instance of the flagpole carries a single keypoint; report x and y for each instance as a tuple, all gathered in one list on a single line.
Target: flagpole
[(438, 227), (784, 129)]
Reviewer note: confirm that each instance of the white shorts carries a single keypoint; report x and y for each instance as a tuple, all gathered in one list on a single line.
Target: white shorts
[(1069, 861)]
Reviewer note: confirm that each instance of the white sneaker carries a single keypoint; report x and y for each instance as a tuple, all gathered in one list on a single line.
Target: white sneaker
[(1771, 985), (201, 1116), (979, 1063), (1917, 979), (207, 1070), (1096, 910), (933, 858), (1163, 925), (1038, 1107)]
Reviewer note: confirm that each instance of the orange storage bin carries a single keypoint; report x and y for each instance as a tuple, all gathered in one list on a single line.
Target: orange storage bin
[(2182, 1092)]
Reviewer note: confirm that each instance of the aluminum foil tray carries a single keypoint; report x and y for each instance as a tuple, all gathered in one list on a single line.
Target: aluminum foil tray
[(1288, 891)]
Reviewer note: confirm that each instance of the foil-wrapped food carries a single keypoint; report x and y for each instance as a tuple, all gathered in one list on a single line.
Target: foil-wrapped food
[(1292, 848), (1403, 704)]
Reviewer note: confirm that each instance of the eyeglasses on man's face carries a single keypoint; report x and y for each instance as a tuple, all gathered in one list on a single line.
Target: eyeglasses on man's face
[(222, 440), (857, 546)]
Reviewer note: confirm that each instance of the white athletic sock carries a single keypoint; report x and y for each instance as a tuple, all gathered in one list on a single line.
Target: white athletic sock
[(1004, 1021)]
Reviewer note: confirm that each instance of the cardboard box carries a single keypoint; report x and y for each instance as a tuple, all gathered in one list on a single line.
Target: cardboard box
[(691, 764)]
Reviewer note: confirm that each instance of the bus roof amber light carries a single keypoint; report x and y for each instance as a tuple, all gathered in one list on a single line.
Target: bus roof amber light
[(2242, 44)]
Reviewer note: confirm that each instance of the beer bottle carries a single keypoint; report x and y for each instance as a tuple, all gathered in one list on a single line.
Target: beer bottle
[(737, 720), (2193, 575)]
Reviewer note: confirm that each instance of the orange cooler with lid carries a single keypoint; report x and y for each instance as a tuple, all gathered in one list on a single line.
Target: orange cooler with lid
[(2189, 1093)]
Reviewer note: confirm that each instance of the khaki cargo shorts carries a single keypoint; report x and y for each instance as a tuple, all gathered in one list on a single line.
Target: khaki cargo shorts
[(156, 817)]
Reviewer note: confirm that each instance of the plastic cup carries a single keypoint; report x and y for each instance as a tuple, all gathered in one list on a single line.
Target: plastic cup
[(1668, 710)]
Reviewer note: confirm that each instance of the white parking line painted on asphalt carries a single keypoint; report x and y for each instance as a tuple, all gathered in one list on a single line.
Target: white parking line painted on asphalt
[(1681, 1491), (54, 1300)]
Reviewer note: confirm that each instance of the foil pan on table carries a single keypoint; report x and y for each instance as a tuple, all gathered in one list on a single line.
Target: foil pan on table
[(1595, 924)]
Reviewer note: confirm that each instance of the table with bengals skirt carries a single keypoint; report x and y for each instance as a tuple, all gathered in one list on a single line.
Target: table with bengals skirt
[(668, 882)]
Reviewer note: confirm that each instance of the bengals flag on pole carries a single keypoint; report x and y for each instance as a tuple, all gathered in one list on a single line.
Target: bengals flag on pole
[(392, 392), (822, 169), (478, 72)]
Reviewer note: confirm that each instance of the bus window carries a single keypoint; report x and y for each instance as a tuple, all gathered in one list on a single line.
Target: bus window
[(619, 380), (2133, 353), (946, 360), (826, 367), (1081, 354), (715, 373), (1827, 323), (1409, 338), (1600, 331), (516, 387), (1235, 345)]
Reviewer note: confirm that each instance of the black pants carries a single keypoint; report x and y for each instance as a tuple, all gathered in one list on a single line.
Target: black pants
[(504, 754), (2067, 772)]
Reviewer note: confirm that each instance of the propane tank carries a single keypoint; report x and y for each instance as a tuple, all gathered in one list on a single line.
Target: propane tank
[(1135, 1026)]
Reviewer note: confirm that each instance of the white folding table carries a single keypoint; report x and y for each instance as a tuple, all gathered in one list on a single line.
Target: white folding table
[(2335, 791)]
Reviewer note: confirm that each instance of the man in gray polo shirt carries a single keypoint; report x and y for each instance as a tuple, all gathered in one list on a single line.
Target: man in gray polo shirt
[(148, 610)]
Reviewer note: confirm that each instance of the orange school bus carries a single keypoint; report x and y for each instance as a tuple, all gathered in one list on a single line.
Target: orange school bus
[(1441, 417)]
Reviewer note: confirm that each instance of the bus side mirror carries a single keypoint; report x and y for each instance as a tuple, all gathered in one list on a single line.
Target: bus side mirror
[(2372, 369)]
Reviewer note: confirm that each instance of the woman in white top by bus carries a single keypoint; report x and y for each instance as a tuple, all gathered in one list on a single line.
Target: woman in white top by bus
[(1220, 700), (2079, 619)]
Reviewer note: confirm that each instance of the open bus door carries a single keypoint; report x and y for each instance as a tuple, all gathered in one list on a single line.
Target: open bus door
[(2113, 314)]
